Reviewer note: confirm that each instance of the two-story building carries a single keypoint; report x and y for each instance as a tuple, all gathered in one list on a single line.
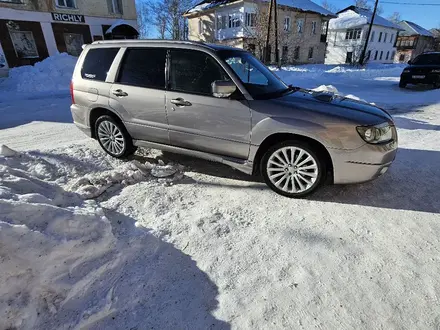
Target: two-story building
[(31, 30), (348, 34), (413, 41), (302, 27)]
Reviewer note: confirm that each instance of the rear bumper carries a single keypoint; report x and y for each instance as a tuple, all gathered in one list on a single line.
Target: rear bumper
[(430, 78), (363, 164), (80, 119), (85, 129)]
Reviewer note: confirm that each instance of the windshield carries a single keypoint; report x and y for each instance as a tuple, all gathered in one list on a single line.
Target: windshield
[(427, 59), (260, 82)]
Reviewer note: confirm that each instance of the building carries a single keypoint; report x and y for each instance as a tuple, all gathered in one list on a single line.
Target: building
[(302, 27), (31, 30), (412, 41), (348, 33)]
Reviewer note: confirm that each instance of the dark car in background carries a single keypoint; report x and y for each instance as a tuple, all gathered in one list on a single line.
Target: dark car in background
[(424, 69)]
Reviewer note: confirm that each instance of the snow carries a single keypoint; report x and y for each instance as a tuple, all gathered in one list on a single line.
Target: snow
[(166, 241), (412, 28), (357, 17)]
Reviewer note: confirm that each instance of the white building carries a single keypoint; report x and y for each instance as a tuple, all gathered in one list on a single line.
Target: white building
[(348, 32)]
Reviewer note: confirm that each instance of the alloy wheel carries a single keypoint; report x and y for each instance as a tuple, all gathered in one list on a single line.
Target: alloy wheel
[(111, 137), (292, 169)]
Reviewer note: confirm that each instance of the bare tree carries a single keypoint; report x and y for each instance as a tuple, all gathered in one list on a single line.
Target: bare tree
[(167, 18), (362, 4), (395, 17), (330, 7), (143, 12)]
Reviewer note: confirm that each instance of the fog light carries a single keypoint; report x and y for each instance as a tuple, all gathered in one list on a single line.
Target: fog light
[(384, 170)]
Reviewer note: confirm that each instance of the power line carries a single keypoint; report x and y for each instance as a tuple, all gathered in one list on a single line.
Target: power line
[(410, 3)]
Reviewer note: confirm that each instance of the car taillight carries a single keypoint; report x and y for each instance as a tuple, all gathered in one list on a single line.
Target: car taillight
[(71, 92)]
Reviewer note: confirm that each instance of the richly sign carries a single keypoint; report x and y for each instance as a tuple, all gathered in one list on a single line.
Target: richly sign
[(68, 18)]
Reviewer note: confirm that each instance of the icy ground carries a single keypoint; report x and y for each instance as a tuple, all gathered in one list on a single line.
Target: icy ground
[(169, 242)]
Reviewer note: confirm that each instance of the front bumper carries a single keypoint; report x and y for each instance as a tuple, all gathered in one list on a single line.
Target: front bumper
[(429, 79), (363, 164)]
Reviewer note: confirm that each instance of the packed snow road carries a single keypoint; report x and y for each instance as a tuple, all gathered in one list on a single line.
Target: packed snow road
[(164, 241)]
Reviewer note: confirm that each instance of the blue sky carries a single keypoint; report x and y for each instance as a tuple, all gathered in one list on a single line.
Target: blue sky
[(426, 16)]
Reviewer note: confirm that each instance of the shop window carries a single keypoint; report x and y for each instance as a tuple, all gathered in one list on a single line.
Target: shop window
[(74, 43), (24, 44), (66, 3), (115, 6)]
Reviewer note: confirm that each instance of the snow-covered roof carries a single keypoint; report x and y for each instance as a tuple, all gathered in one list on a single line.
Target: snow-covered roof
[(119, 22), (301, 5), (412, 28), (353, 16)]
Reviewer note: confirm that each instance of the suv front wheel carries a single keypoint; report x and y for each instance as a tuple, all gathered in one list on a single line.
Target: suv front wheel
[(292, 169), (113, 137)]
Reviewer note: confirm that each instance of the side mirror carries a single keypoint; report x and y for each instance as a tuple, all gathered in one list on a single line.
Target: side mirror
[(409, 62), (223, 88)]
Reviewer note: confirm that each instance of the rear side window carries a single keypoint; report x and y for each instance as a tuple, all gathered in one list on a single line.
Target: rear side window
[(143, 67), (194, 72), (97, 63)]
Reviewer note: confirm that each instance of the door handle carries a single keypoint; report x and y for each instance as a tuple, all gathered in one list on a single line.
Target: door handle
[(180, 102), (119, 93)]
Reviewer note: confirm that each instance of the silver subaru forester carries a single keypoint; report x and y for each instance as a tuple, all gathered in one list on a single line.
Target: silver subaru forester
[(222, 104)]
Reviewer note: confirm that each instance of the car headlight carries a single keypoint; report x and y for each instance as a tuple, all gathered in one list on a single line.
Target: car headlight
[(406, 71), (376, 134), (436, 71)]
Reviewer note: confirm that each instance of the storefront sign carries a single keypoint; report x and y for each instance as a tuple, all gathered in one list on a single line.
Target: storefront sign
[(68, 18)]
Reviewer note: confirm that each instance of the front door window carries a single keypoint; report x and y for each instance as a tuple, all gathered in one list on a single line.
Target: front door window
[(193, 72)]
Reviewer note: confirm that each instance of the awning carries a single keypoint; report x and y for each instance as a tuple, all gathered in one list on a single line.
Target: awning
[(122, 27)]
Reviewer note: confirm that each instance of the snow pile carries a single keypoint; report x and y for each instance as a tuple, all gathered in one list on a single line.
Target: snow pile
[(66, 262), (52, 74)]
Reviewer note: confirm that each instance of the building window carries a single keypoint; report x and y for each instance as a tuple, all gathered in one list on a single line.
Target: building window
[(368, 55), (66, 3), (24, 44), (74, 43), (296, 53), (115, 6), (402, 58), (251, 19), (310, 53), (372, 36), (313, 27), (391, 39), (381, 55), (393, 54), (353, 34), (388, 55), (221, 22), (375, 55), (324, 27), (234, 21), (201, 27), (349, 58), (380, 37), (300, 25), (286, 23), (386, 36), (285, 54)]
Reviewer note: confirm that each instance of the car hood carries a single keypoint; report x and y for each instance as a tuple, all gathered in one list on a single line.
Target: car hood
[(427, 66), (333, 104)]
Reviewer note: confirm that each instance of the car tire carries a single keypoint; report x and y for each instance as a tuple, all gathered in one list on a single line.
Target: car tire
[(287, 171), (113, 137), (402, 84)]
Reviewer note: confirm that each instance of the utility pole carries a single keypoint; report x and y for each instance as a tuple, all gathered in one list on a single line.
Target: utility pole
[(364, 51), (277, 53), (266, 47)]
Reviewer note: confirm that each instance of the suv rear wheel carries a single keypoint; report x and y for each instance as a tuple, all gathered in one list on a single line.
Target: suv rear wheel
[(292, 169), (113, 137)]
